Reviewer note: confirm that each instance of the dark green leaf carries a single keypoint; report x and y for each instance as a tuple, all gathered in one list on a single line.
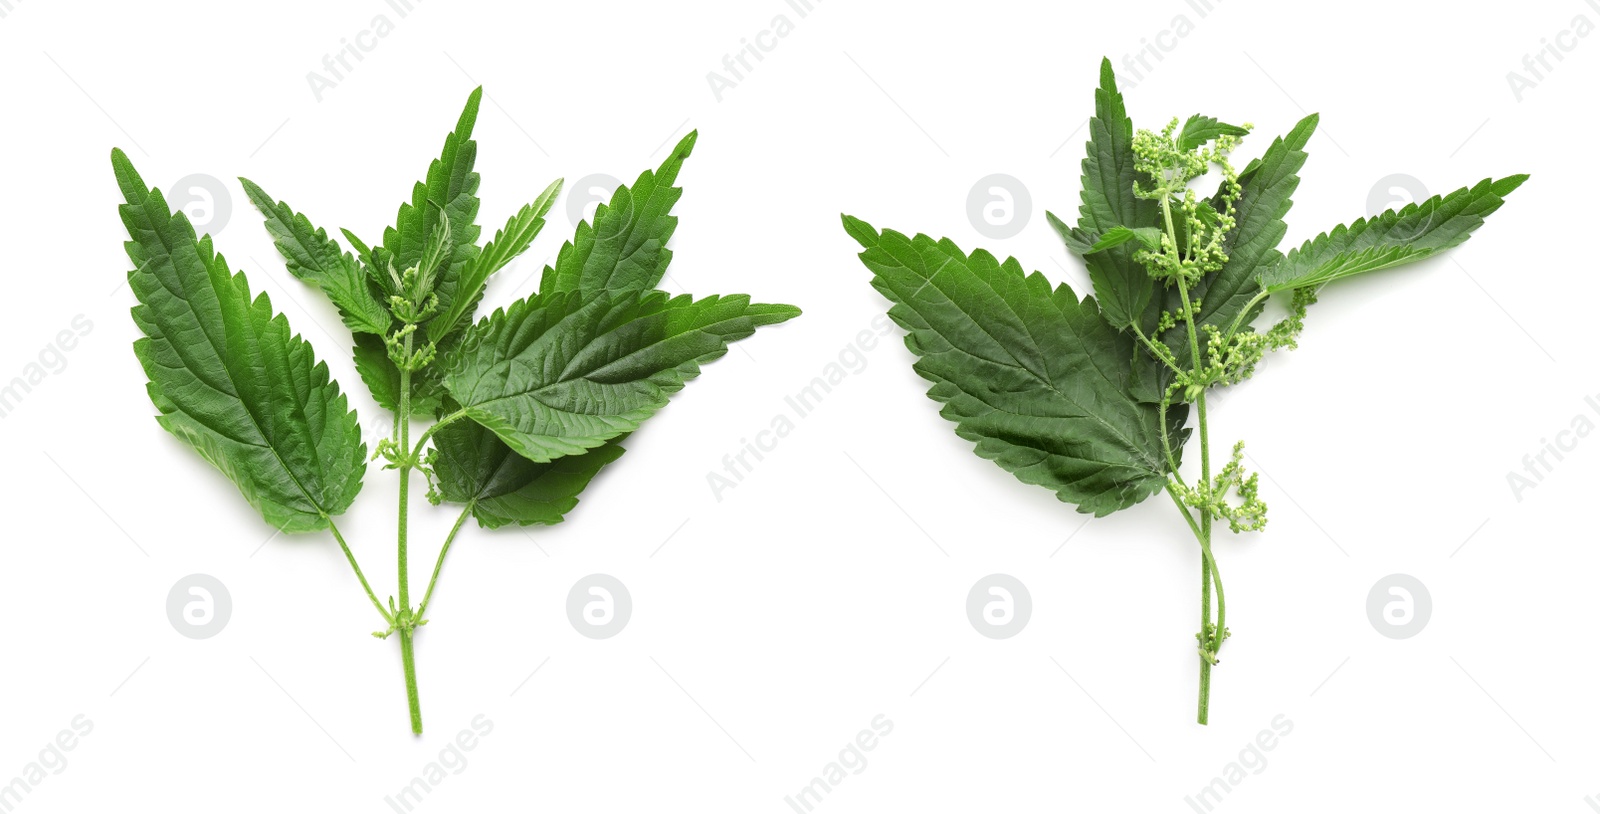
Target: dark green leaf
[(227, 375), (1036, 378), (383, 378), (314, 257), (473, 465), (626, 248), (1078, 242), (1124, 286), (562, 373), (1393, 238)]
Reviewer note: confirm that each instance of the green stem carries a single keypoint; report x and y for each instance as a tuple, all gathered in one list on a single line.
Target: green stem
[(1204, 713), (1239, 320), (1222, 599), (363, 577), (1166, 358), (1207, 564), (416, 452), (407, 657), (1177, 500), (1207, 570), (438, 566)]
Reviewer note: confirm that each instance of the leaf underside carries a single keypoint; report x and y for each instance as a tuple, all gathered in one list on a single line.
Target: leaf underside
[(1034, 376), (228, 376), (474, 466)]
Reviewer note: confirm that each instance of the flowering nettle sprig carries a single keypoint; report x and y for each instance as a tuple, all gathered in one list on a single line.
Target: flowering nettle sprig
[(1094, 395)]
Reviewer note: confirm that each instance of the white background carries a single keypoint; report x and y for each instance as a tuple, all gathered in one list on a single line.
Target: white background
[(829, 586)]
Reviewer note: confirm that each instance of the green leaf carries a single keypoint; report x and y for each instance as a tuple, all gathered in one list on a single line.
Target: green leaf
[(1035, 377), (1393, 238), (227, 375), (1200, 129), (1107, 201), (626, 248), (314, 257), (1346, 264), (472, 465), (383, 378), (1078, 242), (451, 190), (509, 242), (1148, 237), (362, 249), (558, 374)]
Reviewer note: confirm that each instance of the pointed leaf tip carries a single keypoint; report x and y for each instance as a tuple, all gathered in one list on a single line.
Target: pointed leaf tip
[(128, 180), (1505, 186), (1108, 75), (469, 114), (863, 232), (686, 144)]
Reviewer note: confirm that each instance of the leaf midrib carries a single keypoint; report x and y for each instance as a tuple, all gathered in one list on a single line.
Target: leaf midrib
[(193, 245), (1048, 382)]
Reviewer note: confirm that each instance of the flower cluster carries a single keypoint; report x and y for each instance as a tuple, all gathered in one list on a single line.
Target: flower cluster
[(1193, 243), (1249, 514)]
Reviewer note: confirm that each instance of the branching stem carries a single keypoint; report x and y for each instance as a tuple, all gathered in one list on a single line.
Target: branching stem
[(438, 566), (416, 452), (360, 576)]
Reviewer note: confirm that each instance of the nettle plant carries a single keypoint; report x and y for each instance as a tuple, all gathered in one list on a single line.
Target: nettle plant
[(530, 402), (1091, 398)]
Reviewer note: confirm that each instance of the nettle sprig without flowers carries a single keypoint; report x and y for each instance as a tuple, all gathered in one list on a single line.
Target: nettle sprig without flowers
[(1091, 397), (530, 401)]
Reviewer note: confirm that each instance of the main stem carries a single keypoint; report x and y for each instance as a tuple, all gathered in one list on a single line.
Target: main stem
[(1203, 532), (1207, 572), (406, 654)]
